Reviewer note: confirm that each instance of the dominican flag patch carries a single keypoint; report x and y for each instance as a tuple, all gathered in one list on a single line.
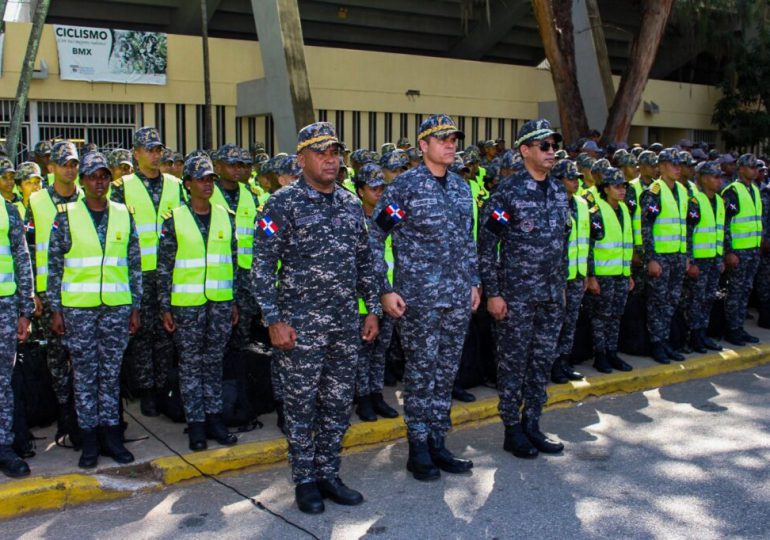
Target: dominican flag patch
[(30, 227), (268, 226), (55, 226), (389, 217), (501, 216), (498, 220)]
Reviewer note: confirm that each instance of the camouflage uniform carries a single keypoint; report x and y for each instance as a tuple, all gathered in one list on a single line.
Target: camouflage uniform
[(320, 240), (95, 337), (762, 280), (430, 221), (151, 349), (11, 308), (57, 355), (532, 226)]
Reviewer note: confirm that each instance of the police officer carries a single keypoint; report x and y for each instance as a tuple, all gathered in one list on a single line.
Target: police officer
[(393, 163), (28, 180), (95, 287), (317, 232), (415, 157), (41, 154), (743, 237), (16, 307), (120, 163), (370, 184), (609, 269), (43, 206), (197, 258), (428, 212), (706, 222), (664, 237), (288, 170), (231, 191), (8, 189), (149, 194), (528, 216), (403, 144), (577, 270)]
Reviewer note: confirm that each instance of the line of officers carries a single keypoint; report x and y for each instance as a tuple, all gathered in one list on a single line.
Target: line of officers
[(125, 242)]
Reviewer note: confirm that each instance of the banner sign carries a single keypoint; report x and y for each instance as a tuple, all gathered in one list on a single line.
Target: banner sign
[(105, 55)]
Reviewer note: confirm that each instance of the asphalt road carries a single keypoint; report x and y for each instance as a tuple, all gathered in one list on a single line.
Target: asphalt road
[(686, 461)]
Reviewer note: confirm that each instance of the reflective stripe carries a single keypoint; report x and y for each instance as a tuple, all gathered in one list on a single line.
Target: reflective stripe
[(705, 246), (245, 231), (147, 227), (148, 250), (745, 219), (391, 264), (115, 287), (245, 251), (41, 246), (582, 260), (669, 220), (41, 270), (116, 261), (223, 284), (608, 245), (196, 289), (611, 262), (190, 263), (81, 287), (218, 259), (707, 229), (6, 278), (5, 250), (82, 263), (673, 238), (751, 234)]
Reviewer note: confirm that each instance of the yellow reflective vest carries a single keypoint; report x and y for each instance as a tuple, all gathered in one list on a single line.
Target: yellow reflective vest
[(708, 235), (7, 274), (578, 240), (613, 253), (670, 229), (245, 218), (746, 225)]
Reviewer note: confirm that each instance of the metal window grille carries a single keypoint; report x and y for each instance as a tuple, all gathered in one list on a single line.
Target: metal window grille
[(388, 126), (108, 125), (373, 129), (181, 128), (160, 120), (252, 131), (475, 129), (269, 138), (403, 130), (417, 122), (221, 125), (339, 124), (357, 129)]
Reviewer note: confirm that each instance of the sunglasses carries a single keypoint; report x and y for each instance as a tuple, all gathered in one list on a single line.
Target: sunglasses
[(545, 146)]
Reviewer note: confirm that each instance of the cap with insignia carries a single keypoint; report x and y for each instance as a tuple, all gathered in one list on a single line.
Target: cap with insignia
[(508, 159), (584, 161), (395, 160), (6, 166), (686, 158), (288, 166), (196, 152), (438, 125), (648, 157), (42, 148), (669, 155), (561, 154), (317, 137), (246, 157), (118, 157), (92, 162), (360, 155), (64, 151), (167, 156), (147, 137), (413, 154), (708, 167), (612, 177), (26, 170), (229, 153), (625, 160), (90, 147), (371, 175), (403, 141), (747, 160), (565, 169), (599, 166), (198, 167), (535, 130), (387, 148)]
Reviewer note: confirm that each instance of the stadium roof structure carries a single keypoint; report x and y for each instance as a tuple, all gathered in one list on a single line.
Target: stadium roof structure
[(506, 33)]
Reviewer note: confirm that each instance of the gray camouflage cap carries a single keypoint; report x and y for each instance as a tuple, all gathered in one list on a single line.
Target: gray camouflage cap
[(747, 160), (6, 166), (565, 169), (612, 177), (708, 167), (228, 153), (599, 166), (26, 170), (198, 167), (395, 160), (670, 155), (584, 161), (317, 137), (387, 148), (147, 137), (118, 157), (371, 175), (648, 157), (64, 151), (42, 148), (92, 162)]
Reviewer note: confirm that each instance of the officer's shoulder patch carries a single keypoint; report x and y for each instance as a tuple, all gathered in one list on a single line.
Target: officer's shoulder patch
[(167, 214), (594, 209), (64, 207), (118, 182), (130, 209), (589, 197), (694, 199), (389, 217), (655, 188)]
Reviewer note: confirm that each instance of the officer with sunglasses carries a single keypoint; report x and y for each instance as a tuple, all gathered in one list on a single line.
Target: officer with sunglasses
[(528, 217)]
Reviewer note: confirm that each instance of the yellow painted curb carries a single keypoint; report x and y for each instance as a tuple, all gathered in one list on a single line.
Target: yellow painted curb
[(48, 493)]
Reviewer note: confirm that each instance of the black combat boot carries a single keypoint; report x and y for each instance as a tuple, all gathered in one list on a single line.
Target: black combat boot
[(89, 453), (217, 430), (748, 338), (617, 362), (696, 344), (381, 407), (538, 439), (364, 409), (557, 373), (461, 394), (280, 420), (518, 443), (764, 316), (444, 459), (336, 490), (601, 362), (196, 434), (659, 353), (112, 444), (709, 343), (308, 498), (148, 402), (11, 464), (65, 421), (734, 336), (672, 354), (420, 464), (569, 369)]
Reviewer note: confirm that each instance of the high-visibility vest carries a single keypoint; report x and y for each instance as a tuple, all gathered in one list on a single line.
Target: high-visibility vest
[(245, 218), (148, 219), (475, 191), (44, 212), (7, 276), (94, 276), (578, 240), (746, 225), (670, 229), (708, 235), (22, 210), (203, 271), (613, 253), (693, 187), (636, 218), (390, 261)]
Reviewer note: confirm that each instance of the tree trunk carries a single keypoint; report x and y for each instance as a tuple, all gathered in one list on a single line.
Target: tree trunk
[(27, 67), (207, 131), (554, 20), (644, 49)]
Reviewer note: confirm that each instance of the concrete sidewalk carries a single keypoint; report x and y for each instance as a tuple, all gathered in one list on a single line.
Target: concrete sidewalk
[(57, 482)]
